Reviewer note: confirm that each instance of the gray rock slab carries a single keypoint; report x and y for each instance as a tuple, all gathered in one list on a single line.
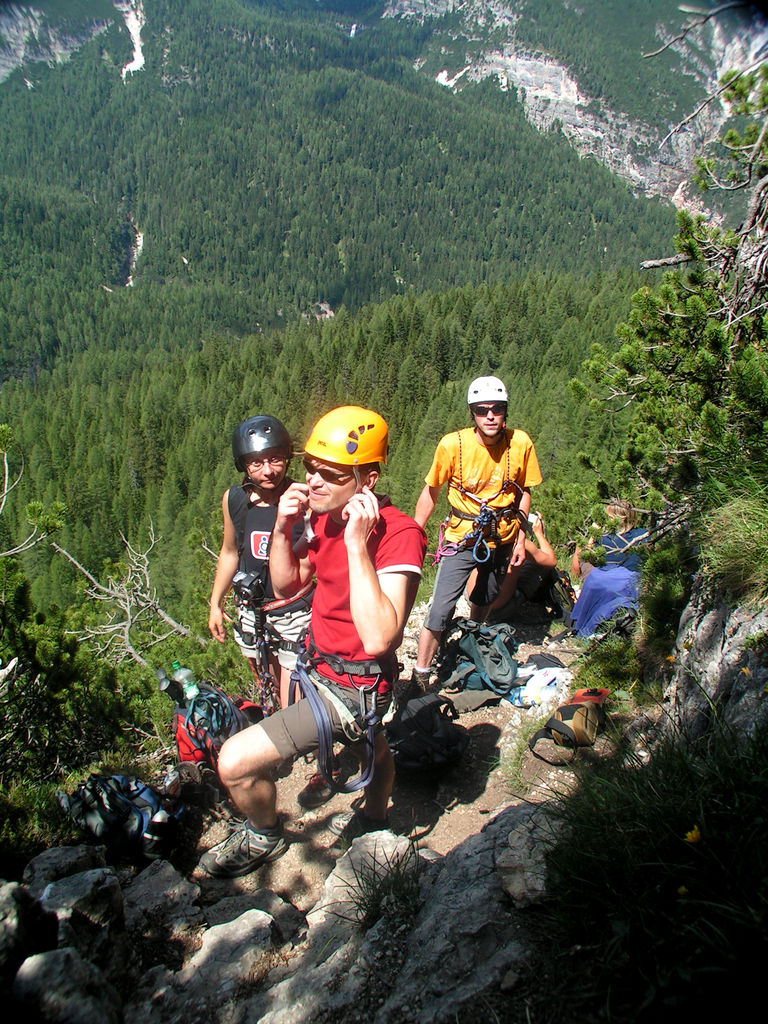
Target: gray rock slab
[(60, 987), (161, 894), (288, 920), (25, 928), (59, 862)]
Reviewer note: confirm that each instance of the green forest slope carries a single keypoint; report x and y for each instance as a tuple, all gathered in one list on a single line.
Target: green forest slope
[(271, 155)]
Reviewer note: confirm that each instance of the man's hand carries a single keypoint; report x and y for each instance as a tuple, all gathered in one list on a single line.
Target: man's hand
[(518, 552), (361, 514), (292, 506), (216, 624)]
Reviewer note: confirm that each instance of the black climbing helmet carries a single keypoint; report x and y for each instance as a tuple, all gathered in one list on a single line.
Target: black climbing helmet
[(260, 434)]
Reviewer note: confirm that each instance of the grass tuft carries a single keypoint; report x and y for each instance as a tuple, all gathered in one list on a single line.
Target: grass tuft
[(386, 886), (660, 890), (735, 545)]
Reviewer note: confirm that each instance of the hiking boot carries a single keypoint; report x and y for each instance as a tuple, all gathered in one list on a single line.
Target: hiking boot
[(350, 824), (407, 689), (317, 791), (243, 851)]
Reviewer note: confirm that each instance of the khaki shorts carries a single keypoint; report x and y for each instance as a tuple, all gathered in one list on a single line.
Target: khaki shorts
[(290, 624), (293, 730)]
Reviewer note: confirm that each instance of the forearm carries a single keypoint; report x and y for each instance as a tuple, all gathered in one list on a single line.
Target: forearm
[(373, 613), (425, 505), (225, 570), (285, 567), (544, 555)]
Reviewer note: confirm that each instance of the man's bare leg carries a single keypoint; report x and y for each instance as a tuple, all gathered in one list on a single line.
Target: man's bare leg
[(378, 792), (429, 641), (245, 765)]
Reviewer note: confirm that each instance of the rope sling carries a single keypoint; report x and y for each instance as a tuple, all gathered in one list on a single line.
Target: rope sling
[(358, 724)]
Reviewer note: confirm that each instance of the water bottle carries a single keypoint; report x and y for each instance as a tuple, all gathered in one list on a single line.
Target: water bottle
[(185, 678), (155, 838)]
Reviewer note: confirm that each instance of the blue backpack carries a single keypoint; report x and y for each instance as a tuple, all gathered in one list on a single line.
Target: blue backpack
[(127, 815)]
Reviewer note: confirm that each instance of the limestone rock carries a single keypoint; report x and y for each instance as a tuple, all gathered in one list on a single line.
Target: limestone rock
[(160, 893), (60, 862), (287, 919), (25, 929), (60, 987), (721, 667), (522, 866), (370, 857), (89, 909)]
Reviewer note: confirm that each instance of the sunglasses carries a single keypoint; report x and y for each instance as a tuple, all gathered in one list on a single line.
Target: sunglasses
[(498, 409), (326, 474)]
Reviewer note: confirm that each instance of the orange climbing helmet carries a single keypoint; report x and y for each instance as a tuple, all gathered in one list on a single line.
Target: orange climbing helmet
[(349, 436)]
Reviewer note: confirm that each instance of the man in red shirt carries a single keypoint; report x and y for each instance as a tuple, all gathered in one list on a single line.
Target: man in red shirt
[(366, 557)]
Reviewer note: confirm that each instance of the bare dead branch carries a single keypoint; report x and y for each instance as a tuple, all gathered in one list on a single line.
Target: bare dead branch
[(132, 609), (714, 95), (666, 261), (701, 18)]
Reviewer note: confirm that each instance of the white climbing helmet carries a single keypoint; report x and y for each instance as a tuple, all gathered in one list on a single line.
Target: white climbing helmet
[(486, 389)]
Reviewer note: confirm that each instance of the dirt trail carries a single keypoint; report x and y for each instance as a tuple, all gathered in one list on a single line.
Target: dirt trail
[(438, 813)]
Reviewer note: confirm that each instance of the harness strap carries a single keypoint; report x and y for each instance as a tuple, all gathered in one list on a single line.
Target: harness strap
[(369, 716), (273, 606), (485, 520), (388, 669)]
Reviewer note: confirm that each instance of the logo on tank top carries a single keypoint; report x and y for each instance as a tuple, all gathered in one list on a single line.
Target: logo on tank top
[(260, 545)]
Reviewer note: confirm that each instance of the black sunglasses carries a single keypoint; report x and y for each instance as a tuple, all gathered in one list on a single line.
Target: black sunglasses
[(325, 473), (498, 409)]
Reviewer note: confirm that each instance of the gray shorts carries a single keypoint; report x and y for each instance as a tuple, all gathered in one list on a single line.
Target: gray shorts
[(293, 731), (452, 575), (290, 624)]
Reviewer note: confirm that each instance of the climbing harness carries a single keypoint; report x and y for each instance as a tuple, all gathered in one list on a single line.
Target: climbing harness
[(485, 522), (255, 632), (358, 724)]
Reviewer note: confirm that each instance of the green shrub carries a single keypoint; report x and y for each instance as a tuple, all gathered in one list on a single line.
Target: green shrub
[(660, 885), (666, 586), (30, 821)]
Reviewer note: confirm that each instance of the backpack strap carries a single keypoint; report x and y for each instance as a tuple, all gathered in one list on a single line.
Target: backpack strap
[(237, 506)]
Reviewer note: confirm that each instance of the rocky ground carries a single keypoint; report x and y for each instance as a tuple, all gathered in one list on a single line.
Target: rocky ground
[(284, 944), (437, 812)]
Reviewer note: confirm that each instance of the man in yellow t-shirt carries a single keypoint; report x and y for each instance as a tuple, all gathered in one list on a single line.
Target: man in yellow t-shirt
[(489, 470)]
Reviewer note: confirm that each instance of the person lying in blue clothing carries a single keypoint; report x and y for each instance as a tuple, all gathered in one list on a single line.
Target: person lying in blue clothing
[(616, 584), (605, 591)]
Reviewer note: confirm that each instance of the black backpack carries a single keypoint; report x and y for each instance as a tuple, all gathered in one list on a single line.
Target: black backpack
[(127, 815), (551, 587), (423, 734)]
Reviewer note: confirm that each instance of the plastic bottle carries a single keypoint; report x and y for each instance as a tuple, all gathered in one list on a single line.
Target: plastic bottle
[(155, 838), (186, 680)]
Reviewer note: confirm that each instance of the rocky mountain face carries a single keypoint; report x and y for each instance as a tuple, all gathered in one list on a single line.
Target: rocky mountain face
[(27, 36), (551, 95), (485, 44)]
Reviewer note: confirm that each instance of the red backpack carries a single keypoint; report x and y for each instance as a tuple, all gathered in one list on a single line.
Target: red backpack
[(201, 726)]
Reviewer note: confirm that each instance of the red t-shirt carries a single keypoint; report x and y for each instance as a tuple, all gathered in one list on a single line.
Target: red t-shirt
[(397, 544)]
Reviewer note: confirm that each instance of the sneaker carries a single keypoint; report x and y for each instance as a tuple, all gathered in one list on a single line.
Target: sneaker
[(243, 851), (350, 824), (317, 791)]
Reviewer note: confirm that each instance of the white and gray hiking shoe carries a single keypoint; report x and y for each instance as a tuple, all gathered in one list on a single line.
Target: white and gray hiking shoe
[(243, 851), (350, 824)]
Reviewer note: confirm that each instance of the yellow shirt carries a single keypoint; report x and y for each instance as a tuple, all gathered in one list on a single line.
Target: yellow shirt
[(489, 474)]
